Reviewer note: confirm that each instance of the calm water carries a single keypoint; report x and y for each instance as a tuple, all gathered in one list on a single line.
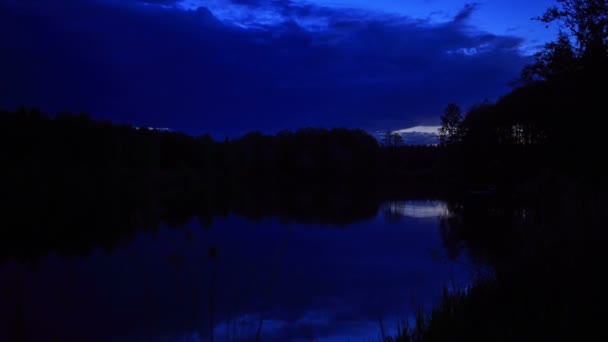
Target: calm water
[(237, 279)]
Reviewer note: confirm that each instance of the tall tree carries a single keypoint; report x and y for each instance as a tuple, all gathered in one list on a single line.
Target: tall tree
[(557, 60), (451, 125), (587, 23)]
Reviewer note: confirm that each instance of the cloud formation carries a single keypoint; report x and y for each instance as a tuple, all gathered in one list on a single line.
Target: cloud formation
[(247, 64)]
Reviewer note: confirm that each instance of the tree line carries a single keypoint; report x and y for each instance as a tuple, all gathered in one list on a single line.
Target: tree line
[(71, 183), (543, 236), (36, 141), (552, 116)]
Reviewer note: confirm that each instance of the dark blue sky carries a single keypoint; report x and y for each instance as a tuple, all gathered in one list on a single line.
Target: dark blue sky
[(231, 66)]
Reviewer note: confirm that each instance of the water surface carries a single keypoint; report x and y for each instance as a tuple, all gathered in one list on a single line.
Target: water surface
[(238, 280)]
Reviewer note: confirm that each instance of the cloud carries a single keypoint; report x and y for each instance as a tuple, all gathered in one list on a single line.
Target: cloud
[(465, 14), (256, 2), (420, 129), (418, 135), (161, 2), (281, 64)]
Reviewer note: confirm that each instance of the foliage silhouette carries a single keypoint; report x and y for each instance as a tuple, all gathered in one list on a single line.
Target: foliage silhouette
[(71, 183), (451, 125), (542, 231)]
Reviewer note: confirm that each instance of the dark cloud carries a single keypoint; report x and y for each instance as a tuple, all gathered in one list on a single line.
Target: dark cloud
[(466, 13), (194, 71)]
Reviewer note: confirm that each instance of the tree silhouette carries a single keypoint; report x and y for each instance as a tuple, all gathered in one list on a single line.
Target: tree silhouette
[(451, 124), (392, 139), (587, 22), (556, 61)]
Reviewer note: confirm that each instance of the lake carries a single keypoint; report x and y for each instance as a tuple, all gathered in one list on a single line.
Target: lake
[(237, 279)]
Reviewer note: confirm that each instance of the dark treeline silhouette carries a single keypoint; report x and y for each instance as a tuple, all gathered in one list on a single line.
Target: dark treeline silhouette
[(551, 119), (541, 229), (309, 155), (70, 183)]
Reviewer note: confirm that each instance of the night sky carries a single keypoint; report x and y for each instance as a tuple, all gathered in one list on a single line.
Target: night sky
[(232, 66)]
